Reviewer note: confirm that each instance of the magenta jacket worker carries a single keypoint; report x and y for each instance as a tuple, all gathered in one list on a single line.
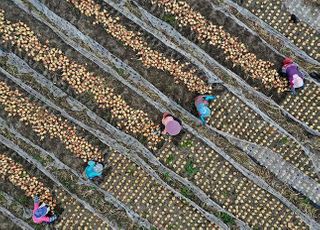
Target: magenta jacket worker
[(39, 213)]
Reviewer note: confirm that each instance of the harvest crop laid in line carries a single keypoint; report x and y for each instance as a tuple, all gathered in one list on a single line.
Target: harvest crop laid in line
[(109, 125)]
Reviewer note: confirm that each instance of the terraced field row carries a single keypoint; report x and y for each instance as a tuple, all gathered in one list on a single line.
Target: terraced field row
[(301, 34), (172, 92), (127, 178), (24, 189), (192, 20)]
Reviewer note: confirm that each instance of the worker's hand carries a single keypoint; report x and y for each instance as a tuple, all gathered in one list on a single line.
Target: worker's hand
[(36, 199), (53, 218)]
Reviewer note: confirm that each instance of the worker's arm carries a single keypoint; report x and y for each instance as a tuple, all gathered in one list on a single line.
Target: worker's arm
[(284, 70), (210, 97), (47, 219)]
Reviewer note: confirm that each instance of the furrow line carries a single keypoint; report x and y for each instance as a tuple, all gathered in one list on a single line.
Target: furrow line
[(246, 13), (104, 54), (304, 124), (244, 171), (126, 139), (81, 180), (261, 183), (31, 160), (9, 200), (110, 142), (285, 171), (155, 25), (17, 221)]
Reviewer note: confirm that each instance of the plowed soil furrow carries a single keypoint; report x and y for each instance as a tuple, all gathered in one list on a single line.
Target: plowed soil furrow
[(219, 22), (127, 177), (303, 164), (201, 221), (63, 199), (278, 16)]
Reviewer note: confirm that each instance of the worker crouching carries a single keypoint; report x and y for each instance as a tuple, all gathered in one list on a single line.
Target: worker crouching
[(202, 105), (40, 212), (170, 125), (93, 170), (295, 77)]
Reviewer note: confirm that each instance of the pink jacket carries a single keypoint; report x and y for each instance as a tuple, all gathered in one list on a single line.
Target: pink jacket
[(41, 219)]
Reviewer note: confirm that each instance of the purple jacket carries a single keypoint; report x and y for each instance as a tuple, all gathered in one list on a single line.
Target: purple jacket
[(291, 70)]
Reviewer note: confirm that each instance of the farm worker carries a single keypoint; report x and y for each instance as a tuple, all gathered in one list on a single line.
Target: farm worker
[(293, 74), (170, 124), (93, 170), (201, 102), (39, 213)]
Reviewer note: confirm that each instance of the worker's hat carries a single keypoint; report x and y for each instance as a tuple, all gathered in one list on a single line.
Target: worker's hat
[(287, 61), (173, 127)]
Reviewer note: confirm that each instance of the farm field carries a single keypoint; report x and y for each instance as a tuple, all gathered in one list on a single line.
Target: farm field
[(89, 80)]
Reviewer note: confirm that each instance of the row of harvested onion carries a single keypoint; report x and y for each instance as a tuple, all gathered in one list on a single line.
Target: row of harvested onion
[(18, 176), (46, 124), (235, 51), (149, 56), (80, 79)]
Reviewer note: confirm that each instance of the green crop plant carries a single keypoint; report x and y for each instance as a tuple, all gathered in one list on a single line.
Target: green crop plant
[(226, 218), (185, 191), (169, 18), (190, 168), (171, 158)]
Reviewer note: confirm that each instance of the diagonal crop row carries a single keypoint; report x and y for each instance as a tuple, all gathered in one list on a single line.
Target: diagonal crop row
[(74, 216), (134, 179), (79, 78), (302, 163), (18, 176), (235, 51), (292, 154), (133, 167), (232, 116), (196, 22), (287, 150), (61, 201), (227, 186), (301, 34), (148, 56), (45, 123), (130, 184)]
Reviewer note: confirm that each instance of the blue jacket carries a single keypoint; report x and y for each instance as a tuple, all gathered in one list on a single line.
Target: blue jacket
[(90, 172)]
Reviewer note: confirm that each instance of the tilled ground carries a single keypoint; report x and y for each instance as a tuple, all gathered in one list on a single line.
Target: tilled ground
[(198, 180)]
